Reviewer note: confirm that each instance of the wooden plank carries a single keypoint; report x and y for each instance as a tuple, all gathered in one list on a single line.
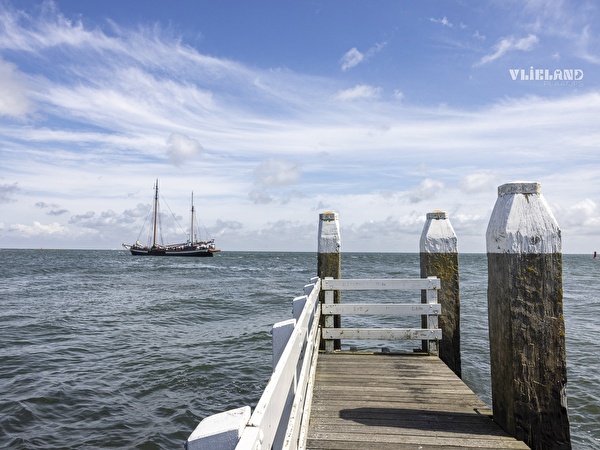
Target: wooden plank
[(380, 284), (381, 334), (398, 309), (383, 401)]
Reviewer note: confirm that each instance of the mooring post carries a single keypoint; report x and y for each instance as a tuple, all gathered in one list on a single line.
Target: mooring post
[(329, 262), (526, 325), (439, 257)]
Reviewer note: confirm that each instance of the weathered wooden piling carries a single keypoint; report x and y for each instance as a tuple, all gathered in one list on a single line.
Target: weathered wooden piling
[(526, 325), (439, 257), (329, 261)]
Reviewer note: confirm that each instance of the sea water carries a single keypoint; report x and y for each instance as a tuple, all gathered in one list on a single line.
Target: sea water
[(100, 349)]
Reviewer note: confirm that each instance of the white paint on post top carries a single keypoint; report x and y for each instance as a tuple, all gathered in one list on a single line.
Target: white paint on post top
[(329, 233), (438, 235), (520, 187), (522, 222)]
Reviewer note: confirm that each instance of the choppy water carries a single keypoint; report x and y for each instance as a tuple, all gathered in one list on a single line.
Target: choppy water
[(99, 349)]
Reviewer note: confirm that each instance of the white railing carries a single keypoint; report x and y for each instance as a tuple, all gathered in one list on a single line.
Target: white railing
[(431, 309), (280, 419)]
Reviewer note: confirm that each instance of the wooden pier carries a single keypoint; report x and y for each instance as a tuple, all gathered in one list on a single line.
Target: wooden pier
[(332, 399), (320, 397), (391, 401)]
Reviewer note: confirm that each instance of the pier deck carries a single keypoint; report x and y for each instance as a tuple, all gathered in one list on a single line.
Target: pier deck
[(389, 401)]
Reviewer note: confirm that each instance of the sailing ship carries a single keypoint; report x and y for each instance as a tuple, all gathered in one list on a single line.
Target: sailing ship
[(192, 247)]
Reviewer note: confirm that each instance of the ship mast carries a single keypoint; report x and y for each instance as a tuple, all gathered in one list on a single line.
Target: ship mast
[(155, 212), (192, 221)]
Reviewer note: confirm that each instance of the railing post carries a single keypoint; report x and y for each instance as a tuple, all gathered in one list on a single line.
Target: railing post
[(329, 261), (439, 257), (431, 321), (526, 325), (281, 332)]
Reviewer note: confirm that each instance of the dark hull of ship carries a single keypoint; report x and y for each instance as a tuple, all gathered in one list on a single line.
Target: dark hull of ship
[(163, 252)]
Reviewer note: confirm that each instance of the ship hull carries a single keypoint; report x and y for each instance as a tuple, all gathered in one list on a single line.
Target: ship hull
[(180, 253)]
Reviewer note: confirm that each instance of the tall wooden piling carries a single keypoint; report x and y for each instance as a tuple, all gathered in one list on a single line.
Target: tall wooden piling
[(439, 257), (526, 325), (329, 262)]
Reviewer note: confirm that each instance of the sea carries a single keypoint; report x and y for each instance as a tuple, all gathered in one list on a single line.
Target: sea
[(101, 349)]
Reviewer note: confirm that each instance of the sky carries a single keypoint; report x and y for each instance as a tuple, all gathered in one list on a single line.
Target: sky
[(272, 112)]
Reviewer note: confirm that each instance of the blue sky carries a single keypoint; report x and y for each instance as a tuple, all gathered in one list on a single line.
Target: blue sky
[(272, 112)]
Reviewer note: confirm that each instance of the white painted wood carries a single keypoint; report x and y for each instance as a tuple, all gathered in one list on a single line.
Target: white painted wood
[(397, 309), (380, 284), (221, 430), (308, 288), (430, 309), (270, 407), (298, 306), (520, 187), (381, 333), (251, 439), (315, 336), (281, 333), (438, 235), (292, 375), (304, 387), (522, 222), (304, 423), (328, 322), (329, 233), (431, 297)]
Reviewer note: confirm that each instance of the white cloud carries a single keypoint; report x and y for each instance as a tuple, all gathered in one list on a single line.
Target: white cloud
[(260, 196), (182, 148), (586, 42), (13, 94), (351, 58), (270, 175), (360, 92), (427, 190), (398, 94), (509, 44), (354, 57), (7, 191), (57, 212), (479, 181), (478, 35), (277, 172), (443, 21), (584, 214), (38, 229)]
